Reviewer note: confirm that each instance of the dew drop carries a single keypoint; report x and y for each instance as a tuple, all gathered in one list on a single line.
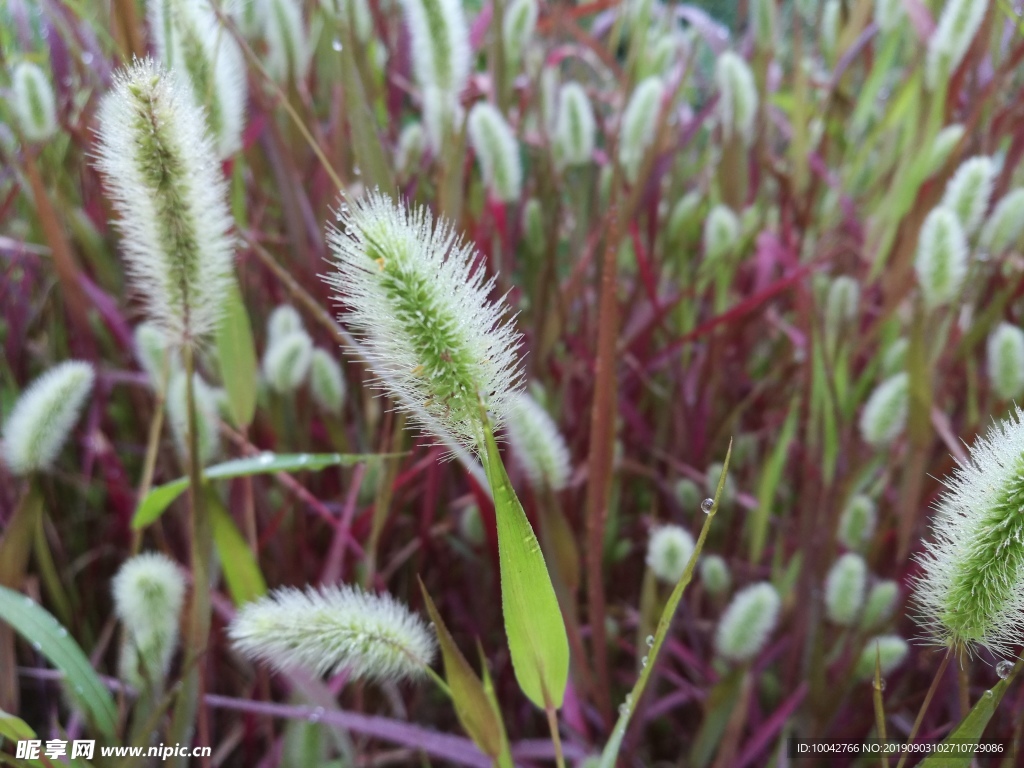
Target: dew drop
[(356, 171), (988, 694), (1003, 669), (86, 58), (62, 632), (336, 44), (316, 714), (706, 505), (28, 600), (37, 645), (623, 710), (643, 662), (265, 458), (650, 641), (881, 684)]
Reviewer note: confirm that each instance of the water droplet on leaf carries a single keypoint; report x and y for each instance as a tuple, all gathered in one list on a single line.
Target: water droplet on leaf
[(650, 641), (1004, 668), (706, 505)]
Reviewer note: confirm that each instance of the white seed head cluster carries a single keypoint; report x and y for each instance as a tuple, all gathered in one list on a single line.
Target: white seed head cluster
[(885, 414), (44, 415), (639, 124), (441, 113), (668, 552), (958, 24), (1004, 227), (880, 604), (334, 628), (737, 97), (497, 151), (1006, 361), (286, 361), (289, 51), (886, 652), (538, 445), (941, 260), (714, 574), (517, 27), (721, 233), (283, 320), (33, 102), (191, 41), (844, 589), (748, 622), (418, 299), (945, 142), (575, 128), (149, 591), (971, 588), (857, 522), (326, 382), (968, 192), (162, 174), (440, 44), (207, 418)]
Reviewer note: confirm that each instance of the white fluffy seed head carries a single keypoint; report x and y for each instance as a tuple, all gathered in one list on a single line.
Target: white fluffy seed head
[(412, 142), (334, 628), (894, 359), (1006, 361), (885, 651), (44, 415), (419, 300), (441, 114), (289, 51), (968, 192), (841, 307), (283, 320), (748, 622), (538, 445), (683, 221), (149, 591), (286, 361), (517, 28), (575, 128), (721, 233), (639, 124), (163, 177), (33, 102), (688, 494), (857, 522), (941, 260), (714, 574), (155, 357), (668, 552), (737, 97), (192, 42), (957, 26), (888, 14), (879, 605), (971, 588), (1003, 228), (844, 589), (326, 382), (497, 151), (206, 417), (885, 414), (440, 44), (945, 142)]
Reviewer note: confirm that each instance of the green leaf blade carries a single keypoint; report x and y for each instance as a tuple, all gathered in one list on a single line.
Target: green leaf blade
[(237, 354)]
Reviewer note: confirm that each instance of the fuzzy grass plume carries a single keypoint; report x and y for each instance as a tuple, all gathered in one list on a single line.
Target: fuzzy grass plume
[(33, 102), (538, 445), (668, 551), (748, 622)]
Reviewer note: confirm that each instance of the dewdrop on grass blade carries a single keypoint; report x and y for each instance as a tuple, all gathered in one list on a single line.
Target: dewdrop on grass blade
[(668, 551), (857, 522), (1005, 359), (164, 180), (885, 414), (747, 623), (326, 382), (333, 628), (844, 589), (517, 28), (149, 591), (639, 124), (286, 362), (714, 574), (958, 24), (538, 445), (968, 192), (737, 97), (497, 151), (44, 415), (885, 652), (941, 260), (575, 129), (879, 605), (206, 417), (1004, 226), (440, 44), (33, 102), (289, 51)]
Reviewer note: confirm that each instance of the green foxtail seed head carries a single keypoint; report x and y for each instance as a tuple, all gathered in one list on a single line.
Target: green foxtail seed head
[(206, 417), (714, 574), (683, 220), (688, 494), (333, 628), (894, 359), (33, 102), (889, 14), (412, 142), (941, 260), (497, 151), (538, 445), (575, 129), (283, 320), (149, 591), (968, 192), (762, 22), (157, 359), (162, 175), (879, 605), (326, 382), (885, 413), (971, 589), (289, 51), (748, 622), (286, 362), (440, 44), (517, 28), (638, 126), (191, 41), (415, 295), (737, 97), (857, 522), (44, 415), (844, 589), (886, 652), (668, 552), (957, 26), (721, 234), (1003, 228), (1006, 361), (945, 142)]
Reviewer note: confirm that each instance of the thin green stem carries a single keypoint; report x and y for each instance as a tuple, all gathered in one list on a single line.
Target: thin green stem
[(556, 738), (924, 705)]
